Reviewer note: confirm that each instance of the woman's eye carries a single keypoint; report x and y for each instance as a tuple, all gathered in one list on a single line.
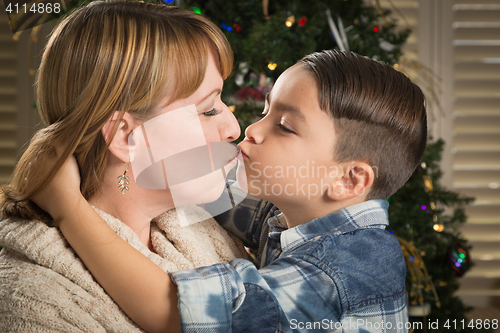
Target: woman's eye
[(211, 113), (285, 129)]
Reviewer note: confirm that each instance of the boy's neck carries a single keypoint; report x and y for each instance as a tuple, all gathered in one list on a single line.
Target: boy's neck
[(297, 213)]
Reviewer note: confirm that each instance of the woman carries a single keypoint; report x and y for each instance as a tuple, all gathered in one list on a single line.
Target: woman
[(107, 69)]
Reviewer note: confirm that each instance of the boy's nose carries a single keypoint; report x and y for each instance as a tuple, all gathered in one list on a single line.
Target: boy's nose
[(254, 133)]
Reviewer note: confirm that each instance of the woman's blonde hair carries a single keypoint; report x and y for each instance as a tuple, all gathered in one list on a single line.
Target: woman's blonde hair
[(107, 56)]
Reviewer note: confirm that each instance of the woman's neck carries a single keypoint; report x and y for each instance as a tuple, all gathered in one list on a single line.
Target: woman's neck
[(135, 208), (124, 209)]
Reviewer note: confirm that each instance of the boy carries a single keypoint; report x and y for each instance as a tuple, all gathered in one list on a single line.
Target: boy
[(340, 134)]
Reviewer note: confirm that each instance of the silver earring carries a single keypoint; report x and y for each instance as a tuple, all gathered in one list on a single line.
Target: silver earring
[(123, 180)]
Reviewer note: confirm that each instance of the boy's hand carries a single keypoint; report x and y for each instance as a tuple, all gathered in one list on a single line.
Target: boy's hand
[(62, 193)]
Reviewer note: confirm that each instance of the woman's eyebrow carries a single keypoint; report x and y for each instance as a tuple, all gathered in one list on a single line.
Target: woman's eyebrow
[(284, 107), (216, 91)]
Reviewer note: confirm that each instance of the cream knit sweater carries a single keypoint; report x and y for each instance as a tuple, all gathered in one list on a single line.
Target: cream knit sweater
[(44, 286)]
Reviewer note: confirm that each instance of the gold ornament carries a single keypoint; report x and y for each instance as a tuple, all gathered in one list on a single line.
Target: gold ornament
[(419, 277), (438, 227), (272, 65), (427, 182)]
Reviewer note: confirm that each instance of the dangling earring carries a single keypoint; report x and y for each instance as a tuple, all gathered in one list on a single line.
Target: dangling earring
[(123, 180)]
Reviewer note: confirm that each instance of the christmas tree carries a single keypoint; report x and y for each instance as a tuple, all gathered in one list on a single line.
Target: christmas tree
[(426, 218)]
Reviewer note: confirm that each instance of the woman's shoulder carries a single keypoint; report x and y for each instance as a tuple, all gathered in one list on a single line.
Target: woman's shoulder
[(34, 239), (25, 281), (37, 298)]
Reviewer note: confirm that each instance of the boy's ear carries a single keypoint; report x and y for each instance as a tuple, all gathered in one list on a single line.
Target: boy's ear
[(118, 144), (356, 180)]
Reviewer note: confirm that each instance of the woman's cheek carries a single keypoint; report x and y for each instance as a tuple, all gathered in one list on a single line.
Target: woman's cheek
[(210, 130)]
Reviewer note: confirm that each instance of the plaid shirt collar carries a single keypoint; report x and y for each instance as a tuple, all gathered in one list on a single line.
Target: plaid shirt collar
[(367, 214)]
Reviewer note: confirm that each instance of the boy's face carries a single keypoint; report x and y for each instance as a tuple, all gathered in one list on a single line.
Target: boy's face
[(289, 153)]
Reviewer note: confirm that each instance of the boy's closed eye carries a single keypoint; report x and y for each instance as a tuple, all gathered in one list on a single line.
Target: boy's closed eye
[(282, 126)]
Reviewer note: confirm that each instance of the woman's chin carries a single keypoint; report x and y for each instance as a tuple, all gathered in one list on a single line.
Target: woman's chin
[(199, 191)]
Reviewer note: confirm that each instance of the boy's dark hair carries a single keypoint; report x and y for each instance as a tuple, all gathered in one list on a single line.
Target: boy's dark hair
[(379, 115)]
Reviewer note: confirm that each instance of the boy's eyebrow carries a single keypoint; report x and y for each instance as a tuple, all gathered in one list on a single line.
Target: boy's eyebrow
[(283, 107)]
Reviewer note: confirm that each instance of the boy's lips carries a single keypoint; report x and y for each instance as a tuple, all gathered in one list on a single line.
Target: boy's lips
[(243, 152)]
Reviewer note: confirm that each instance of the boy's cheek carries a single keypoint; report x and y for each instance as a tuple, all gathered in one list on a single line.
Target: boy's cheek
[(292, 190), (254, 188), (293, 182)]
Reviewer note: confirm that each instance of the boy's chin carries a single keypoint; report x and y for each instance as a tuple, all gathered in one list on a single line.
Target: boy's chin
[(265, 192), (241, 177)]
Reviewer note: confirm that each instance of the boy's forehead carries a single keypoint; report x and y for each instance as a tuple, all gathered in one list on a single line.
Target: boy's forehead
[(296, 92), (292, 81)]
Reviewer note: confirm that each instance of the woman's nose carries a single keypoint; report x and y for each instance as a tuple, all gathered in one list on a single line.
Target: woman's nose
[(229, 128)]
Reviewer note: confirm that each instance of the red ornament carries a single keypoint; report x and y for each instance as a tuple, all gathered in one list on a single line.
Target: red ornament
[(302, 21), (249, 92), (377, 29), (237, 27)]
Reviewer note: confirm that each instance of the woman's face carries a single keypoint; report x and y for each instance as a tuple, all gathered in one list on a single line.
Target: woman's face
[(166, 145)]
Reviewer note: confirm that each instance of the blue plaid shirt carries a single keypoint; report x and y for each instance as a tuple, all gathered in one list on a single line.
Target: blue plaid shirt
[(338, 273)]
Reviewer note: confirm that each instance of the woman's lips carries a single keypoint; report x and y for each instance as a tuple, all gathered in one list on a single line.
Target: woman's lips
[(243, 153), (236, 156)]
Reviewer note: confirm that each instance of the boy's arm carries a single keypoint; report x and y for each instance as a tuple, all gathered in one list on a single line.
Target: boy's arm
[(141, 289), (247, 219), (144, 291)]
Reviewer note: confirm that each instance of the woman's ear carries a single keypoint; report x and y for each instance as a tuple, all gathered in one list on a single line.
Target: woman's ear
[(124, 123), (355, 180)]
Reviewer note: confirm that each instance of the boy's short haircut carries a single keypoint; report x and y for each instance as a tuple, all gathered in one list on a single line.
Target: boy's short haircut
[(379, 115)]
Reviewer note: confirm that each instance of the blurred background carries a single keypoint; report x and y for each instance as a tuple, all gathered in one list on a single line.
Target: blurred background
[(450, 48)]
